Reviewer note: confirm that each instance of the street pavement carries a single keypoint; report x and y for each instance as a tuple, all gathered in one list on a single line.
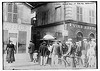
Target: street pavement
[(22, 62)]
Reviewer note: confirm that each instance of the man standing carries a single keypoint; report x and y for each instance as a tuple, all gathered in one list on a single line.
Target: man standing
[(42, 50), (85, 48), (55, 53), (31, 50), (69, 44), (60, 45)]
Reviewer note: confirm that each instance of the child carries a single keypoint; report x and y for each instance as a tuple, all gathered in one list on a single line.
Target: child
[(35, 56)]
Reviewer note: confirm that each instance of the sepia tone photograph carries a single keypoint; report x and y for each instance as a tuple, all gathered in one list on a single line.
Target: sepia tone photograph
[(49, 35)]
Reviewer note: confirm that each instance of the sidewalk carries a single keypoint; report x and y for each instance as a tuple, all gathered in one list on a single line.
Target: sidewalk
[(22, 62)]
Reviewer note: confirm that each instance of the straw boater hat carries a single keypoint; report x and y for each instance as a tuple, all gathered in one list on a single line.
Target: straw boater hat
[(84, 39), (93, 39), (69, 39)]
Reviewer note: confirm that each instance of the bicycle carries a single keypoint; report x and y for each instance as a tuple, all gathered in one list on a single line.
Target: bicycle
[(63, 61)]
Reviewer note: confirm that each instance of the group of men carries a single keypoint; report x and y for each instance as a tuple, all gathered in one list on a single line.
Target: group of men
[(86, 52)]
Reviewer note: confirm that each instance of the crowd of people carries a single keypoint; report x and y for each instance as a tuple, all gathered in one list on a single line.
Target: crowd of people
[(49, 53)]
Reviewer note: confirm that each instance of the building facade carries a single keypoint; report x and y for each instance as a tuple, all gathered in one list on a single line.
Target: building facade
[(63, 20), (68, 19), (17, 25)]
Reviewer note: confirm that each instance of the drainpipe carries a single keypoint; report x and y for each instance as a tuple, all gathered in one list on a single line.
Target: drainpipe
[(64, 22)]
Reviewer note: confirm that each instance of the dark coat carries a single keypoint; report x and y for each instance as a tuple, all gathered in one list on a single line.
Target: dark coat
[(31, 48), (10, 53), (43, 50)]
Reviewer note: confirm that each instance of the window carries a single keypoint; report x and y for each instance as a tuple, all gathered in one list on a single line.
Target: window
[(57, 13), (12, 13), (44, 18), (14, 18), (15, 8), (9, 19), (10, 7), (91, 16), (79, 14)]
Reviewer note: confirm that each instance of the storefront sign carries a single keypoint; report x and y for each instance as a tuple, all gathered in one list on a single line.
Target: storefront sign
[(81, 26)]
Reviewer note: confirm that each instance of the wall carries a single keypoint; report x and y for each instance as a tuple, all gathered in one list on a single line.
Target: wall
[(86, 7), (85, 30), (24, 13), (50, 7), (67, 8), (52, 30), (23, 24)]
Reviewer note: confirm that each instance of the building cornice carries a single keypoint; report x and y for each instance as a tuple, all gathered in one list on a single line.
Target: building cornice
[(66, 22)]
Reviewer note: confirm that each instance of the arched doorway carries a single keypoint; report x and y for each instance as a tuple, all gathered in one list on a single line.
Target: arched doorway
[(91, 35), (79, 36)]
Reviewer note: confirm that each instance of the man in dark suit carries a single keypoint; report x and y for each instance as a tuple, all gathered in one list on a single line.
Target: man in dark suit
[(31, 50)]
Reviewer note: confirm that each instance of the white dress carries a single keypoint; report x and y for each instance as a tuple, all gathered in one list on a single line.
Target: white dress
[(91, 54)]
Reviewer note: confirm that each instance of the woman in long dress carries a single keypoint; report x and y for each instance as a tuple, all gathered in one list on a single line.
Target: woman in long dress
[(10, 52), (91, 54)]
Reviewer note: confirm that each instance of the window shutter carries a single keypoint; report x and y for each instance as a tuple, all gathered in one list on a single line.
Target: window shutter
[(9, 18), (15, 8), (15, 18), (9, 7)]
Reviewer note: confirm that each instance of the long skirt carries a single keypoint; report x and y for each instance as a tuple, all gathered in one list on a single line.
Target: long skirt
[(10, 55)]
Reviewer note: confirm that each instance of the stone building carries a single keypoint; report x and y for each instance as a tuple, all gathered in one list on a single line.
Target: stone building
[(63, 20), (17, 25)]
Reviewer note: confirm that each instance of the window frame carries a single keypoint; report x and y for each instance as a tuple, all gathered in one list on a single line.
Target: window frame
[(12, 13), (91, 16), (79, 11), (56, 14)]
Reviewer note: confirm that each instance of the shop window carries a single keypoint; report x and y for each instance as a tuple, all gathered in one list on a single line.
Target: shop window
[(58, 34), (22, 42), (5, 40)]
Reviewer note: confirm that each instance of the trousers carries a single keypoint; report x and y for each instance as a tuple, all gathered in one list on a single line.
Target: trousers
[(54, 60), (31, 56), (43, 60)]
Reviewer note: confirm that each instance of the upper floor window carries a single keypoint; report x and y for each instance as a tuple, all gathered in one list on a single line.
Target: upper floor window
[(79, 14), (91, 16), (12, 14), (45, 17), (58, 13)]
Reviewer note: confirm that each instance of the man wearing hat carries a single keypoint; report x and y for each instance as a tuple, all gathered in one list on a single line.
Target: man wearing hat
[(69, 44), (55, 53), (84, 52), (42, 50), (31, 50)]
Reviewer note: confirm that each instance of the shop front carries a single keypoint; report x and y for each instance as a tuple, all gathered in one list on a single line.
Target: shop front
[(19, 34)]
